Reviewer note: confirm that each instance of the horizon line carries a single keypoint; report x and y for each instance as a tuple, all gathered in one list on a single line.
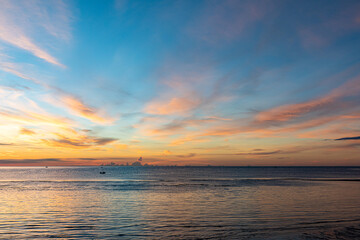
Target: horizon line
[(245, 166)]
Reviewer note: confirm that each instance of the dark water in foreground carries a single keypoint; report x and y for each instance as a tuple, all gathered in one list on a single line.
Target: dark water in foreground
[(180, 203)]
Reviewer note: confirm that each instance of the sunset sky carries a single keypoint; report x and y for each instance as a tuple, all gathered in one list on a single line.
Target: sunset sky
[(180, 82)]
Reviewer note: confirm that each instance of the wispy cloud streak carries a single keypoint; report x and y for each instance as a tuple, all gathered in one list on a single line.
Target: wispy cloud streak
[(348, 138), (77, 107), (288, 112), (20, 19)]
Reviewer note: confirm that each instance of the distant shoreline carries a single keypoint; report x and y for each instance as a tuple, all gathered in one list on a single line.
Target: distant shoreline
[(190, 166)]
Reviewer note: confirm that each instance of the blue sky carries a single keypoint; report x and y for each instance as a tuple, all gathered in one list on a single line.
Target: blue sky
[(180, 82)]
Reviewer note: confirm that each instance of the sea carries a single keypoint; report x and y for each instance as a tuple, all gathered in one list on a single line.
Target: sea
[(180, 203)]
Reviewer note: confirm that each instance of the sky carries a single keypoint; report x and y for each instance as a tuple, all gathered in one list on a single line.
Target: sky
[(231, 83)]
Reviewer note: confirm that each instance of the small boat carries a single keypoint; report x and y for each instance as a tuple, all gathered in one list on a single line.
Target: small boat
[(102, 172)]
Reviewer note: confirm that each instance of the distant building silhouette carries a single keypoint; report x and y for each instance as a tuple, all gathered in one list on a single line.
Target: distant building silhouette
[(136, 164)]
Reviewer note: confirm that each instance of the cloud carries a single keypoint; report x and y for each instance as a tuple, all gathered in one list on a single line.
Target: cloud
[(332, 127), (316, 147), (189, 103), (82, 141), (14, 68), (27, 161), (177, 95), (20, 20), (61, 98), (175, 105), (26, 131), (103, 141), (182, 125), (14, 88), (181, 104), (18, 113), (188, 139), (6, 144), (68, 161), (288, 119), (32, 118), (260, 153), (348, 138), (289, 112), (190, 155), (166, 152), (78, 108)]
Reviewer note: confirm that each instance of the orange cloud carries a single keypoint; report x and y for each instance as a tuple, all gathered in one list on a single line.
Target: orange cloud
[(166, 152), (176, 105), (26, 131), (33, 118), (278, 121), (121, 146), (187, 139), (82, 141), (78, 108)]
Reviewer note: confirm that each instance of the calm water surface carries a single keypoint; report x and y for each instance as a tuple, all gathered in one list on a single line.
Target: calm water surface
[(180, 203)]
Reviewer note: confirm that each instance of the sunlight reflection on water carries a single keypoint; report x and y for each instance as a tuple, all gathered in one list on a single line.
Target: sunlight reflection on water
[(181, 203)]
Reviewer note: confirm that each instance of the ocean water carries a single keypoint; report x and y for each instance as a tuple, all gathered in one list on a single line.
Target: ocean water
[(180, 203)]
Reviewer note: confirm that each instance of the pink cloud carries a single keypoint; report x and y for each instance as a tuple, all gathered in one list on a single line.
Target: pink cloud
[(291, 111)]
